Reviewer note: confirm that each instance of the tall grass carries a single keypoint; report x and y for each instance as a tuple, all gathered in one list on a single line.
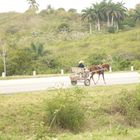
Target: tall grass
[(128, 105), (65, 110)]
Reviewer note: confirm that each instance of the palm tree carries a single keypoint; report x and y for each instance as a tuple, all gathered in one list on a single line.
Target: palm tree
[(33, 4), (115, 13), (37, 49), (110, 12), (87, 14), (120, 13), (108, 8), (97, 14)]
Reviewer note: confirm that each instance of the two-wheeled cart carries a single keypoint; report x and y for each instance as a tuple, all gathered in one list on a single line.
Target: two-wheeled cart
[(80, 74)]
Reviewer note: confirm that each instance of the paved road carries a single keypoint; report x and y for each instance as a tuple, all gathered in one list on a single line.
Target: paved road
[(34, 84)]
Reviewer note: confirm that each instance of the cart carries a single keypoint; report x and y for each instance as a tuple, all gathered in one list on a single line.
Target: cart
[(80, 74)]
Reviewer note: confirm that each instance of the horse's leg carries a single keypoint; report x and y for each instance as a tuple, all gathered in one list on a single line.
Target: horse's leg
[(103, 78), (98, 78), (92, 77)]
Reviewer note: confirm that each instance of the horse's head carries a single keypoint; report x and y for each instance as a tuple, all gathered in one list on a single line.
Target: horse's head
[(105, 66)]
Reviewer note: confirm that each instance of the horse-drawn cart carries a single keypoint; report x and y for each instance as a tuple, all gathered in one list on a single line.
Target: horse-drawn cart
[(80, 74)]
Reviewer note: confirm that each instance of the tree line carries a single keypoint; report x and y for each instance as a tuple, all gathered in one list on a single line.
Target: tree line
[(105, 14), (110, 13)]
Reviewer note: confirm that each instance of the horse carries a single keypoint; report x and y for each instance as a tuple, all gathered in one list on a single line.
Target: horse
[(99, 69)]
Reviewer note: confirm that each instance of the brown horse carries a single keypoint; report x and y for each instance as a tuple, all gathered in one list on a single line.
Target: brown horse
[(99, 69)]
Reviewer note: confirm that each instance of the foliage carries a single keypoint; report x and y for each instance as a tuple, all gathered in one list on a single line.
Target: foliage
[(33, 5), (137, 13), (111, 29), (65, 110), (72, 10), (105, 11), (121, 61), (136, 64), (64, 27), (37, 50), (20, 63), (128, 104), (96, 58)]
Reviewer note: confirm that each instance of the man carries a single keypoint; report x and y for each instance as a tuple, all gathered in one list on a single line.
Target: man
[(81, 64)]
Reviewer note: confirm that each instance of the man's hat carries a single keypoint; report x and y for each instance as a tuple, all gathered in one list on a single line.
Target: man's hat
[(81, 61)]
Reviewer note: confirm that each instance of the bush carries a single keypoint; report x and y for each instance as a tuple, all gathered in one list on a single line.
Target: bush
[(65, 110), (96, 58), (121, 62), (111, 29), (64, 27), (136, 64), (128, 104)]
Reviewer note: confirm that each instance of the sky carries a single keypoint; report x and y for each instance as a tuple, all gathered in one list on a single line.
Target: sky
[(22, 5)]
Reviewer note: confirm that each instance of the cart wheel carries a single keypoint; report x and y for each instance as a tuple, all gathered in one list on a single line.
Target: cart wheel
[(73, 83), (87, 82)]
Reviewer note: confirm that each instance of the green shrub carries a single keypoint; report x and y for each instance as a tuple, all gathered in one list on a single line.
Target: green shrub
[(136, 64), (121, 62), (65, 110), (128, 104), (96, 58), (64, 27), (111, 29)]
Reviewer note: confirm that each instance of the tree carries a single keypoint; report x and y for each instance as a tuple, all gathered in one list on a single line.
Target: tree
[(129, 19), (137, 13), (108, 8), (115, 13), (87, 15), (94, 14), (98, 14), (37, 49), (72, 10), (105, 11), (19, 62), (49, 9), (33, 5), (120, 13)]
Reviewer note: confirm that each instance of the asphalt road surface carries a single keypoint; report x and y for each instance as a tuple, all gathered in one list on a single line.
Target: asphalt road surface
[(47, 83)]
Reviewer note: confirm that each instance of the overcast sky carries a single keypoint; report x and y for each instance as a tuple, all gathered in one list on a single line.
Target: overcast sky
[(22, 5)]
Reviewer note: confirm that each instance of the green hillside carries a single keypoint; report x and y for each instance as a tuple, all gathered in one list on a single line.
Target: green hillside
[(54, 40)]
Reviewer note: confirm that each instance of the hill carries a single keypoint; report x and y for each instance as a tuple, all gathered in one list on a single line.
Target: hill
[(54, 40)]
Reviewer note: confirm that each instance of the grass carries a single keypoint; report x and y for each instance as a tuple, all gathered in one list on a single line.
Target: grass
[(115, 134), (31, 76), (22, 116)]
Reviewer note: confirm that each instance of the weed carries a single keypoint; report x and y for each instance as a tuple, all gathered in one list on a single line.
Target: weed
[(65, 110)]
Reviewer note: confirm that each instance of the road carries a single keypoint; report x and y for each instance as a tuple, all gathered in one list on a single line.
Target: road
[(47, 83)]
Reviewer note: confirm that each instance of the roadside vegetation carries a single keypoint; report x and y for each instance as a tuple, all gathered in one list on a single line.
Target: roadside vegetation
[(110, 112), (55, 39)]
